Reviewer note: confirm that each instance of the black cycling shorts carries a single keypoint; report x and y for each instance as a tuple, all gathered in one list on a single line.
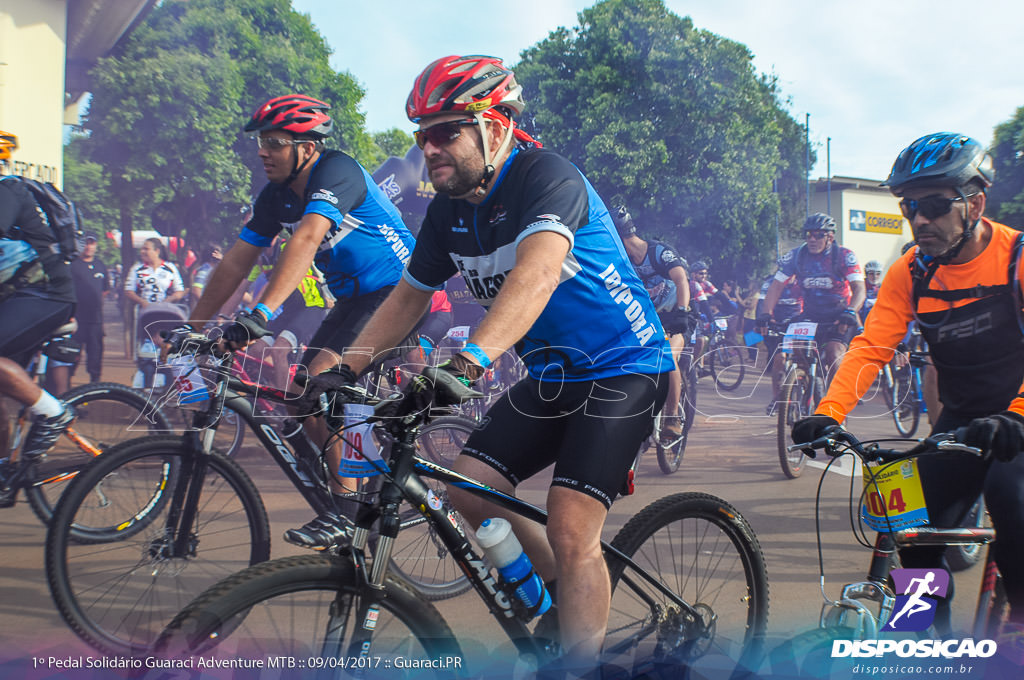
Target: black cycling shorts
[(435, 326), (298, 319), (344, 322), (28, 321), (591, 431)]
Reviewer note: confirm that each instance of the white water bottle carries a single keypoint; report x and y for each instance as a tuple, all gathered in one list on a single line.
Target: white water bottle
[(504, 551)]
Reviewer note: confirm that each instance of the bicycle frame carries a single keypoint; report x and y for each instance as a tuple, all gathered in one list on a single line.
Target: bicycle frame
[(405, 482)]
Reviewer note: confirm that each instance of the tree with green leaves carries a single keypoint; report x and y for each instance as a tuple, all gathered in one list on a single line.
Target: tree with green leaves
[(167, 111), (1006, 197), (675, 122)]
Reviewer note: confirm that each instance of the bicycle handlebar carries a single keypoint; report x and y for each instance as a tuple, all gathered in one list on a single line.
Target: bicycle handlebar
[(837, 436)]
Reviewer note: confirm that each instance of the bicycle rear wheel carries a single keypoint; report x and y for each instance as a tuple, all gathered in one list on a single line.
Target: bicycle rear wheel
[(906, 410), (418, 555), (304, 608), (809, 654), (703, 550), (792, 406), (727, 367), (107, 414), (119, 591)]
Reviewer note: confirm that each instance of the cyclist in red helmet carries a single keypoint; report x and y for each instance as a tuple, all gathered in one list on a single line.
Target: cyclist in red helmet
[(342, 223), (538, 249)]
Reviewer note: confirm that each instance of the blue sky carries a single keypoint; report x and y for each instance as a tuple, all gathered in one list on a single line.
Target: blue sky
[(873, 75)]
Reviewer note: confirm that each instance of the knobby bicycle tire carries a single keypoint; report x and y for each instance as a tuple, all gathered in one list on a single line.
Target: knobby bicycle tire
[(727, 367), (670, 449), (705, 552), (119, 591), (791, 408), (107, 414), (809, 654), (288, 606)]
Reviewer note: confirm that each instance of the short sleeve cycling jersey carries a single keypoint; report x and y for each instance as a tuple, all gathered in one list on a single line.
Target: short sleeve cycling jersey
[(654, 270), (599, 322), (824, 279), (366, 247), (21, 219), (154, 284)]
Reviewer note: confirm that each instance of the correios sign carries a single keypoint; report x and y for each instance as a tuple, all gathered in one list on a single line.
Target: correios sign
[(879, 223)]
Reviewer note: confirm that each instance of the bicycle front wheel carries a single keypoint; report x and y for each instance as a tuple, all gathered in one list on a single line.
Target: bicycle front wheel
[(142, 566), (418, 555), (701, 549), (670, 447), (792, 406), (107, 414), (305, 608), (906, 410)]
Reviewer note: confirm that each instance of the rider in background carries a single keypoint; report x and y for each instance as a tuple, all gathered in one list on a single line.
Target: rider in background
[(962, 283), (663, 273), (31, 311), (872, 282), (340, 221), (831, 285)]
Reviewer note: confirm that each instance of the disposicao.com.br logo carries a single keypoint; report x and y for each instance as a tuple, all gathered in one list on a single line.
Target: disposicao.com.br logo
[(914, 611)]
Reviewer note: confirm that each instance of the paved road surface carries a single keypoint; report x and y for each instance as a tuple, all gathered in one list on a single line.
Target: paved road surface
[(731, 454)]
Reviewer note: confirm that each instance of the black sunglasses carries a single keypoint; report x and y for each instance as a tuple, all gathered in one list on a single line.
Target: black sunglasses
[(441, 134), (816, 234), (929, 206)]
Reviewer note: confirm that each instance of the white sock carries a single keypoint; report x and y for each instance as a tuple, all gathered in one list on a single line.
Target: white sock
[(47, 406)]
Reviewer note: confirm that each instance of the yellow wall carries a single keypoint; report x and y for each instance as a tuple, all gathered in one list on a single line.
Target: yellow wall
[(32, 54), (884, 247)]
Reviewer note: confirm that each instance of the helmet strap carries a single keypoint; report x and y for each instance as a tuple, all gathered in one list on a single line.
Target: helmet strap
[(968, 232), (296, 168), (481, 189)]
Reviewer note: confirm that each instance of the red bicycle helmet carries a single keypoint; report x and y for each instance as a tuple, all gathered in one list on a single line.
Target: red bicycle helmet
[(295, 113), (472, 83)]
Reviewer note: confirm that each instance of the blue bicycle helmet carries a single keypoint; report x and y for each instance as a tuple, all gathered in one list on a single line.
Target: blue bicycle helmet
[(942, 159)]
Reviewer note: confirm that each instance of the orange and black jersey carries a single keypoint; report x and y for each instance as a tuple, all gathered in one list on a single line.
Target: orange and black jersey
[(976, 342)]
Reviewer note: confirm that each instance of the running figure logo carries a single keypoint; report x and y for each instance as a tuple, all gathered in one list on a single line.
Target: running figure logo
[(914, 610)]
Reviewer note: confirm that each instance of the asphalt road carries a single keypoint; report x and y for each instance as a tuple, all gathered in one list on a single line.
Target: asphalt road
[(731, 454)]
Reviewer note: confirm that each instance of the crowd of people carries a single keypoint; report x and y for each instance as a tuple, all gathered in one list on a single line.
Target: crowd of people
[(590, 306)]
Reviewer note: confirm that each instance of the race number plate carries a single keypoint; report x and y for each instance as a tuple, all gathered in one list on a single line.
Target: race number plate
[(722, 323), (359, 454), (801, 332), (893, 497)]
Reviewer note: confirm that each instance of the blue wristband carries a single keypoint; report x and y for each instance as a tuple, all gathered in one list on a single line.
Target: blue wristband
[(264, 310), (473, 350)]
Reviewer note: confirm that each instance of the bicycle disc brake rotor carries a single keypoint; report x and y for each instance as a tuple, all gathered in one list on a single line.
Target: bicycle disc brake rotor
[(683, 637)]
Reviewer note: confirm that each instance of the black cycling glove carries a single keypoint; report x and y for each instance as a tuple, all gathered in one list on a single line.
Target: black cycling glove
[(331, 380), (677, 321), (247, 328), (849, 317), (1001, 435), (808, 429), (449, 384)]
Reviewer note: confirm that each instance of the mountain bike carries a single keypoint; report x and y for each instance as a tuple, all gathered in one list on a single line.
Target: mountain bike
[(670, 448), (801, 388), (902, 380), (688, 578), (864, 608), (106, 413), (169, 515), (725, 360)]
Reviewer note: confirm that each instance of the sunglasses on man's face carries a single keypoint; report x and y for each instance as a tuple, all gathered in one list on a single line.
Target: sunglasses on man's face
[(816, 234), (275, 143), (442, 133), (931, 207)]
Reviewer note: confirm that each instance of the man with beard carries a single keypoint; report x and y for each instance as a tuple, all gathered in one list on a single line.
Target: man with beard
[(537, 248)]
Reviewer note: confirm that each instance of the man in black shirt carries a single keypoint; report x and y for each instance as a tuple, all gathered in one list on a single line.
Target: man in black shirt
[(89, 275), (30, 313)]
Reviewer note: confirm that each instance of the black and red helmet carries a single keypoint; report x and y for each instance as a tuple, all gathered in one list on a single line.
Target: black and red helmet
[(295, 113), (471, 84)]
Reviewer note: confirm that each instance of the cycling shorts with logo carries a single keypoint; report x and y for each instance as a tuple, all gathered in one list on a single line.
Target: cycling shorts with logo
[(590, 430)]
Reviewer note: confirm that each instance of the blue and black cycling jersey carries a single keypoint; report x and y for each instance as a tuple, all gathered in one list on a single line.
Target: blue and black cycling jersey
[(654, 269), (599, 322), (366, 247)]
